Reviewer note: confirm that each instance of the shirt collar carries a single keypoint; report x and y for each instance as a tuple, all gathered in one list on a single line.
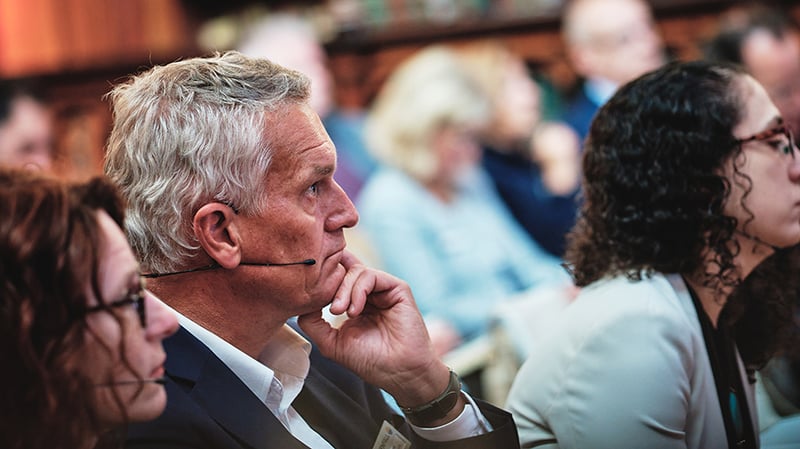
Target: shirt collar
[(285, 358), (600, 90)]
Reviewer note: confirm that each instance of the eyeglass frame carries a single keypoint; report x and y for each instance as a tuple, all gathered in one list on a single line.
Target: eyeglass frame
[(766, 134), (137, 299)]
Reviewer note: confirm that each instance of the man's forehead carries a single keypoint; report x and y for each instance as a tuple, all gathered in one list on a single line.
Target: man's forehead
[(305, 157), (764, 46), (617, 16)]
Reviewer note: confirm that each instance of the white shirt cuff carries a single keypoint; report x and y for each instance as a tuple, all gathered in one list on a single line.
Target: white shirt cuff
[(469, 423)]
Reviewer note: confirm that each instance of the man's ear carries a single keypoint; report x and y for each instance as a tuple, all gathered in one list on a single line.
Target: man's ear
[(216, 230)]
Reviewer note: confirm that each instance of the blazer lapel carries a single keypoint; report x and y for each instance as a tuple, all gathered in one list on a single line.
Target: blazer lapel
[(218, 391), (333, 414), (749, 391)]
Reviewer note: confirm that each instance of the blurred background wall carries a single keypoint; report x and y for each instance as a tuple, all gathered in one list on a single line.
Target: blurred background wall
[(77, 49)]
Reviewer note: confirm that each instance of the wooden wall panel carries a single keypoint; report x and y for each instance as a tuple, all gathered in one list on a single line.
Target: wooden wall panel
[(40, 37), (29, 37)]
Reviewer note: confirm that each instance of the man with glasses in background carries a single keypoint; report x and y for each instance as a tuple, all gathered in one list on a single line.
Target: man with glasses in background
[(608, 43)]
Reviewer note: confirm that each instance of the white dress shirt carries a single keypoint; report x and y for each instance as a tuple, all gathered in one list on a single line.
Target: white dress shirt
[(278, 375)]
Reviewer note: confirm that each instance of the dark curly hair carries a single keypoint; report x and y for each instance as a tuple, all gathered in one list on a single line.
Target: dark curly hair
[(49, 253), (763, 313), (654, 194)]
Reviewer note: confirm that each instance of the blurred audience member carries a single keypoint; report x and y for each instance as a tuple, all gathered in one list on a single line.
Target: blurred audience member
[(609, 42), (534, 165), (292, 42), (80, 337), (767, 43), (432, 211), (26, 128)]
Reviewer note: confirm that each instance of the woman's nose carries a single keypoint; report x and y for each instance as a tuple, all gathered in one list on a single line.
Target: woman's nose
[(161, 320)]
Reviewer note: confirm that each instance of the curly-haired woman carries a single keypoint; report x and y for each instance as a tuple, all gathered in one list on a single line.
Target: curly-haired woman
[(80, 337), (691, 180)]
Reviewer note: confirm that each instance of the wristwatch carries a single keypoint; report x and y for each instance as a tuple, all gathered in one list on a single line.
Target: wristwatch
[(437, 408)]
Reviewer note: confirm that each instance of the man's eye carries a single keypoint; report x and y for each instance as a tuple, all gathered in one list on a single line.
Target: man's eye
[(314, 188)]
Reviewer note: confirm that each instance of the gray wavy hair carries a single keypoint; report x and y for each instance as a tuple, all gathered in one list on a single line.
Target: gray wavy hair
[(189, 133)]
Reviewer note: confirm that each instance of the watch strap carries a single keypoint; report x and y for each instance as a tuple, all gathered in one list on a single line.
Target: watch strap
[(437, 408)]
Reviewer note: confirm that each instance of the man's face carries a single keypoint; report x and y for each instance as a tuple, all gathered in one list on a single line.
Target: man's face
[(26, 138), (305, 216), (775, 63), (620, 40)]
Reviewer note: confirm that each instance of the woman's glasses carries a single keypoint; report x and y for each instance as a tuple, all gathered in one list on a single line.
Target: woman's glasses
[(785, 146), (135, 299)]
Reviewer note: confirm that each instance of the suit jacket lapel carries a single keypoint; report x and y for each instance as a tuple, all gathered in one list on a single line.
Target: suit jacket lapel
[(334, 415), (223, 396)]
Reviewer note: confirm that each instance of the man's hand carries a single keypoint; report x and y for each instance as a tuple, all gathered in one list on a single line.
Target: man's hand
[(384, 339)]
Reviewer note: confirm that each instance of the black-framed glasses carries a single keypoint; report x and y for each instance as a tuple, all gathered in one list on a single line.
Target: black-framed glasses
[(135, 299), (788, 147)]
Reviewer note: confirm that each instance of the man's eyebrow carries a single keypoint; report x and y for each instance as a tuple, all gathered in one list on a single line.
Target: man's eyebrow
[(323, 170)]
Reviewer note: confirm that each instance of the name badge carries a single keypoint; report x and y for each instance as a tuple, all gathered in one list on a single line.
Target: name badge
[(390, 438)]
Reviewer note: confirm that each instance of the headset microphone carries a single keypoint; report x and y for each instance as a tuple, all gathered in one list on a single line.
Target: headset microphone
[(284, 264), (214, 266)]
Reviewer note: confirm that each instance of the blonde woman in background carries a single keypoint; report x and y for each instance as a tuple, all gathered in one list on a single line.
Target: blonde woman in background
[(432, 212)]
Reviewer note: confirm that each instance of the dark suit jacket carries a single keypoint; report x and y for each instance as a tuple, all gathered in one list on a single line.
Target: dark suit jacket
[(209, 407), (580, 112), (547, 217)]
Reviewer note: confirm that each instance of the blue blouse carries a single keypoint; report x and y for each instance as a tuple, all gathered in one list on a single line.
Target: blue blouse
[(460, 258)]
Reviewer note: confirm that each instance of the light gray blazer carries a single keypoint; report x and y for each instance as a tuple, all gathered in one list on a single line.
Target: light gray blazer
[(625, 367)]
